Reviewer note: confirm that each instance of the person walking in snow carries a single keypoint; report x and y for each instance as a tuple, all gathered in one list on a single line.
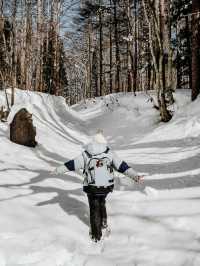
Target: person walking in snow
[(98, 163)]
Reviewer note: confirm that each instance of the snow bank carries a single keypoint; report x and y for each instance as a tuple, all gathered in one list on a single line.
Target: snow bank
[(184, 124), (16, 108), (113, 112), (52, 117), (44, 218)]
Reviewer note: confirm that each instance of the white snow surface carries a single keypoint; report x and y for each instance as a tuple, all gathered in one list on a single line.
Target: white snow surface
[(44, 218)]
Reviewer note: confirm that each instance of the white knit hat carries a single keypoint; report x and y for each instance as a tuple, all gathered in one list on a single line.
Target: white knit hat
[(99, 137)]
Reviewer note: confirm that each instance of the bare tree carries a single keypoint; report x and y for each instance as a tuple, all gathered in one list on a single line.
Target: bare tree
[(195, 49), (156, 17)]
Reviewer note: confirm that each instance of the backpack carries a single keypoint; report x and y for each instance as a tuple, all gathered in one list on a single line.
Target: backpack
[(98, 169)]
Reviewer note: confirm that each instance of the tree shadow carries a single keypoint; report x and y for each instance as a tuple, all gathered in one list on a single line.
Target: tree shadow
[(184, 165), (167, 183), (53, 158), (43, 175), (67, 199), (185, 142)]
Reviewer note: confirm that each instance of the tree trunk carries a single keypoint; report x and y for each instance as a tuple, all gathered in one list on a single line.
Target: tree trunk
[(158, 17), (94, 73), (164, 56), (111, 56), (39, 45), (22, 48), (188, 33), (195, 49), (129, 86), (149, 68), (14, 51), (100, 52), (55, 24), (117, 56), (28, 44), (89, 82), (135, 73), (178, 67)]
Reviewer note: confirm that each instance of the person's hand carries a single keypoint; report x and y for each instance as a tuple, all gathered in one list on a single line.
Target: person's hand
[(59, 170), (139, 179), (54, 172)]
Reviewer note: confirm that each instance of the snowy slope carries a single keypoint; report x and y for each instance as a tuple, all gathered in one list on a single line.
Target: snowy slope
[(44, 218)]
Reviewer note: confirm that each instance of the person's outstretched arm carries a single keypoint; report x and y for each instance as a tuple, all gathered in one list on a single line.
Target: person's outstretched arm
[(122, 167), (71, 165)]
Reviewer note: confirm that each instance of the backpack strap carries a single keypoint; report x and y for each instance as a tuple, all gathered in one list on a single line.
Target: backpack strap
[(88, 154), (107, 150)]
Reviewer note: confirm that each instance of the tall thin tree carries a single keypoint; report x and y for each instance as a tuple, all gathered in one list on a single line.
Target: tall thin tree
[(195, 49)]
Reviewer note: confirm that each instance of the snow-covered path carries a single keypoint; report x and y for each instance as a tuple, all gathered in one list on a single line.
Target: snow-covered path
[(44, 218)]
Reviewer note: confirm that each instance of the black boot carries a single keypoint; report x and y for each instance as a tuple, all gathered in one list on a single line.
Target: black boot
[(104, 224)]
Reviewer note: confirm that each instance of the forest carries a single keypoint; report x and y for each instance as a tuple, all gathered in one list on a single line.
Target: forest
[(99, 132), (85, 49)]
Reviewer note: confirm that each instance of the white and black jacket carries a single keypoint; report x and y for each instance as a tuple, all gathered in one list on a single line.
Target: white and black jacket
[(95, 148)]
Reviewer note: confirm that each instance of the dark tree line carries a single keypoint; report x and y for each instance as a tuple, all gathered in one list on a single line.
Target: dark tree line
[(31, 50), (141, 45)]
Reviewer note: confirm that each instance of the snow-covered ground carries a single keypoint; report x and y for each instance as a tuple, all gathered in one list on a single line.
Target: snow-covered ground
[(44, 218)]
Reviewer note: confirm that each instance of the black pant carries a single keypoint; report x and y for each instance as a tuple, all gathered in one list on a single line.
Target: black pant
[(97, 205), (98, 214)]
